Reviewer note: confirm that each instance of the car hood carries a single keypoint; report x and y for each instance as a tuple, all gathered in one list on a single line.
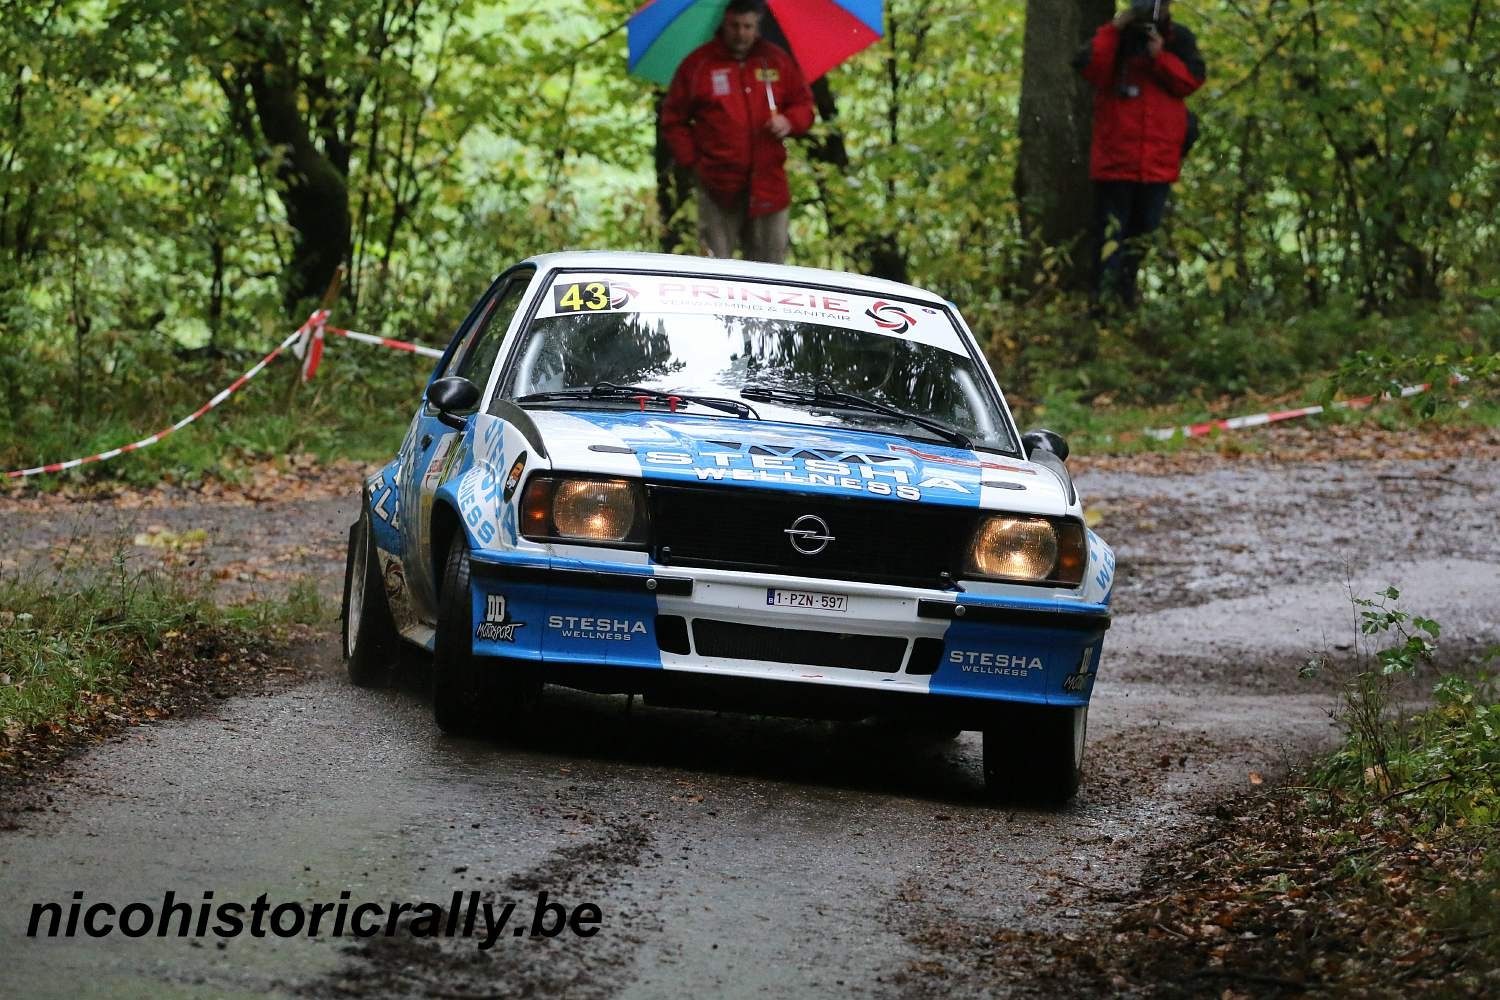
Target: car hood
[(749, 454)]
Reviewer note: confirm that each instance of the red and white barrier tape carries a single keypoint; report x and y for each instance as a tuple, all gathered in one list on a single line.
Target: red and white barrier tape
[(147, 442), (399, 345), (309, 346), (306, 343), (1261, 419)]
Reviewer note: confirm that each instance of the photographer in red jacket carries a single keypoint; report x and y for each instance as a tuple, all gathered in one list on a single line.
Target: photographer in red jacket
[(1141, 67), (731, 103)]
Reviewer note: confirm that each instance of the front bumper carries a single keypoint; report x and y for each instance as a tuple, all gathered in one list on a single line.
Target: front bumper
[(719, 622)]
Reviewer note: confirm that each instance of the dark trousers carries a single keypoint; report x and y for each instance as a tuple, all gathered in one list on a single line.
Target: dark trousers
[(1125, 212)]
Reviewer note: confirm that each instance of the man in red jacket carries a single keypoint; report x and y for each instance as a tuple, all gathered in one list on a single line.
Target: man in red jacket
[(731, 103), (1141, 67)]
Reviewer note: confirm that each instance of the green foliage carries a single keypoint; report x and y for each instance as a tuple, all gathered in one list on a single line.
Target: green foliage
[(1348, 150), (1453, 770), (1347, 161), (1453, 377), (1441, 767), (1341, 199)]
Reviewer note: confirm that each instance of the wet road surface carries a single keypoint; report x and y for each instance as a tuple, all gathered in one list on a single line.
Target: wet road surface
[(729, 855)]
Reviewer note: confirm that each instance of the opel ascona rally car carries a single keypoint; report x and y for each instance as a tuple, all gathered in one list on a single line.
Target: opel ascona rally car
[(733, 485)]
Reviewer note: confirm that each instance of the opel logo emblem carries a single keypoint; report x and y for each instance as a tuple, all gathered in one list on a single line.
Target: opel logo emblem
[(809, 534)]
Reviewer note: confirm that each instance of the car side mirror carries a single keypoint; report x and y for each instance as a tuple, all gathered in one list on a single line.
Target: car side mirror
[(1045, 439), (452, 395)]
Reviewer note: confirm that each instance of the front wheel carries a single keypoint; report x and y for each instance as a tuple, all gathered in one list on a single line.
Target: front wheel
[(369, 632), (1035, 753), (470, 693)]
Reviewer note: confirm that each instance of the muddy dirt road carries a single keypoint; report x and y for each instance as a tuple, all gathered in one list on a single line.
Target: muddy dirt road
[(733, 856)]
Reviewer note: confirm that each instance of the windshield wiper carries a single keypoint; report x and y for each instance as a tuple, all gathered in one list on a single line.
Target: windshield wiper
[(609, 390), (824, 395)]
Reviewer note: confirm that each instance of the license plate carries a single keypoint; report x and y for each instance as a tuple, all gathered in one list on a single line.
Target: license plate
[(807, 601)]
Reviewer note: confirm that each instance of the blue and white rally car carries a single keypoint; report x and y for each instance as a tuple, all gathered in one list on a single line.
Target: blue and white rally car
[(733, 485)]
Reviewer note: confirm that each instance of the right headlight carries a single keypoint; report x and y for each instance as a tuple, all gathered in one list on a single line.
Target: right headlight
[(1027, 549)]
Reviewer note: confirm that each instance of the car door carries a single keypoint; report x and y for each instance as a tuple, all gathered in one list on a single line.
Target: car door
[(435, 446)]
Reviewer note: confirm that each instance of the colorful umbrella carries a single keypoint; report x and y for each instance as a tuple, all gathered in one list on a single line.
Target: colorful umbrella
[(820, 33)]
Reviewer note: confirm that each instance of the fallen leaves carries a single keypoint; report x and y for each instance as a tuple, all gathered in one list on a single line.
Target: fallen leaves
[(1274, 900), (159, 536)]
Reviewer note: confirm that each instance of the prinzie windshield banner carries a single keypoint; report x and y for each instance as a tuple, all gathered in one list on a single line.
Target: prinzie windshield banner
[(598, 293)]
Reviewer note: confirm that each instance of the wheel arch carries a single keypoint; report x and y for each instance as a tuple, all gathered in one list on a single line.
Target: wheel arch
[(445, 523)]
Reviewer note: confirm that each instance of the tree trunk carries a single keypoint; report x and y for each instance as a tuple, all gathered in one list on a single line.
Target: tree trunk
[(310, 185), (1052, 177), (216, 290)]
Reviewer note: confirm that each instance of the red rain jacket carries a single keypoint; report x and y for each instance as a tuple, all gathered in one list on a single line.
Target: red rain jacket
[(1140, 138), (714, 121)]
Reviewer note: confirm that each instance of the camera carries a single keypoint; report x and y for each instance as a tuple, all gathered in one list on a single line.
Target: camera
[(1145, 17), (1139, 29)]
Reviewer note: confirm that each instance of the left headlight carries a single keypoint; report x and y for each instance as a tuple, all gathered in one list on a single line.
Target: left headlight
[(586, 510), (1028, 550)]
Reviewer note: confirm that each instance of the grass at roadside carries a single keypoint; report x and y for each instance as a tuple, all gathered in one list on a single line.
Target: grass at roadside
[(1183, 350), (1119, 430), (357, 407), (84, 656), (1174, 363)]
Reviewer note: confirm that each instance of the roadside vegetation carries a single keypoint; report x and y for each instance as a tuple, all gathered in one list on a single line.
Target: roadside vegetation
[(1461, 403), (84, 654), (1373, 872), (356, 410), (1337, 202)]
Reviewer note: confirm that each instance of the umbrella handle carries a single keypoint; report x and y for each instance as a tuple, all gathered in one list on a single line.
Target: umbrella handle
[(771, 98)]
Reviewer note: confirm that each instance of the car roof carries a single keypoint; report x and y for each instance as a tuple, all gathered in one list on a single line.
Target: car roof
[(609, 260)]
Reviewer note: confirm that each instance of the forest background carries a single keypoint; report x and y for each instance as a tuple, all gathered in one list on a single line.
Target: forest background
[(178, 181)]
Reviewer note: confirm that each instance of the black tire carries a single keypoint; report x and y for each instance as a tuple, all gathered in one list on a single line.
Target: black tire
[(472, 694), (1035, 753), (369, 633)]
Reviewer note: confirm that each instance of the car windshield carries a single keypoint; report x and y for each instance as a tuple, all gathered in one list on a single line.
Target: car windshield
[(794, 354)]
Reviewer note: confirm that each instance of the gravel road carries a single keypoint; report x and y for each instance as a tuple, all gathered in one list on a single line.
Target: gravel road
[(733, 856)]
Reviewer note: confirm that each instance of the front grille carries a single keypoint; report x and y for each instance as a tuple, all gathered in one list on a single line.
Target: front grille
[(879, 541), (788, 645)]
